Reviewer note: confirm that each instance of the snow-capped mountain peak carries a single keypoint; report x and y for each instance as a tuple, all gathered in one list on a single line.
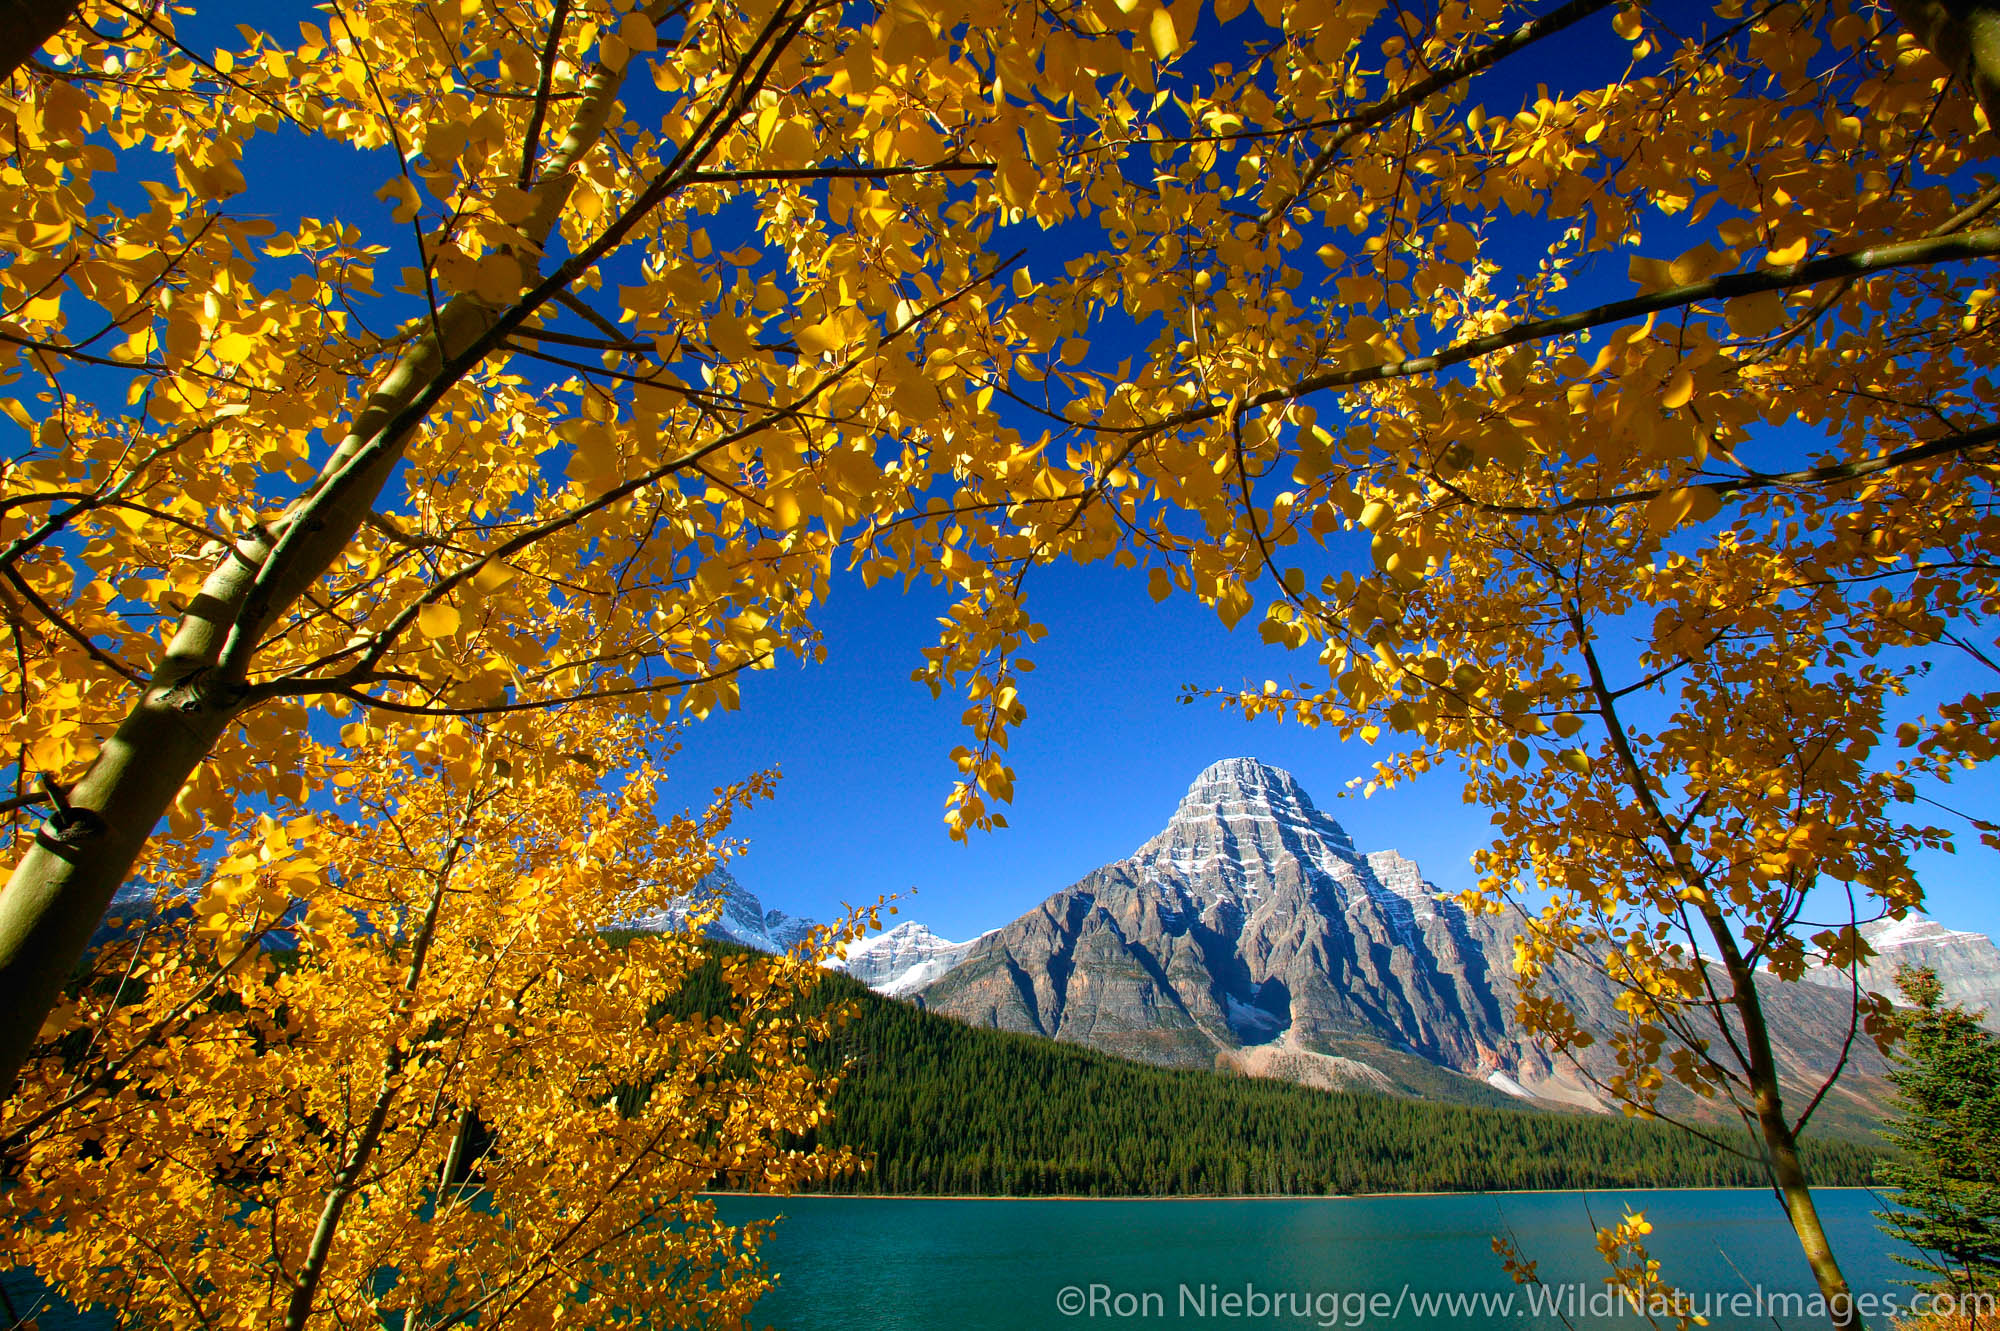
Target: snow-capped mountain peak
[(901, 960), (1244, 826), (898, 961), (743, 919), (1967, 964)]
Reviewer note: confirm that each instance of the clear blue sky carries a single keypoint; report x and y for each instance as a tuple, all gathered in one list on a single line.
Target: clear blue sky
[(1105, 753)]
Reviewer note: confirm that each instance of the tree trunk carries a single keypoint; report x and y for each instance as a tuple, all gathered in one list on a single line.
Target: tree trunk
[(305, 1285), (61, 888), (1965, 35), (456, 1171), (1781, 1148), (25, 25), (63, 885)]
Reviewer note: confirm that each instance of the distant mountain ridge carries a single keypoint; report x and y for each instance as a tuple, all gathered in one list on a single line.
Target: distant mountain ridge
[(902, 960), (896, 962), (743, 919)]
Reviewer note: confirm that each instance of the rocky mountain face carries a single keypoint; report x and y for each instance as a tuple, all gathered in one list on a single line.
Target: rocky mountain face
[(1252, 935), (1967, 964)]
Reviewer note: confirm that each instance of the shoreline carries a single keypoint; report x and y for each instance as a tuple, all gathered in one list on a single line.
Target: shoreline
[(1228, 1197)]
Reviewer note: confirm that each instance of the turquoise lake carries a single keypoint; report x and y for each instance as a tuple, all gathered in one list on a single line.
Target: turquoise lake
[(857, 1264)]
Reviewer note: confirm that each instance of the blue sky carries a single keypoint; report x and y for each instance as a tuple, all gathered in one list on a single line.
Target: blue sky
[(1106, 752)]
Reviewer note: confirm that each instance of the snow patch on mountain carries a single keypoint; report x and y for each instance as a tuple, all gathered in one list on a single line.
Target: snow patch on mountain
[(1914, 927), (901, 960), (1251, 1024), (1244, 823), (897, 962), (743, 919)]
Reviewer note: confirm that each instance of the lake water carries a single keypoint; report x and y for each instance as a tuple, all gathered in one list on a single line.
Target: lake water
[(1425, 1263), (853, 1264)]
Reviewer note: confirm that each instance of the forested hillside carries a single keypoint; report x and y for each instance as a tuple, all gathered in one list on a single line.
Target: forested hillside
[(945, 1108)]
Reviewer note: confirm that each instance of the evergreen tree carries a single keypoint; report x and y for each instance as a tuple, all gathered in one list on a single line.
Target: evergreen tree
[(937, 1106), (1947, 1126)]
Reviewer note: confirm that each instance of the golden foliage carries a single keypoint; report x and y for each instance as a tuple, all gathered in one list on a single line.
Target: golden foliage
[(1628, 439), (447, 1093)]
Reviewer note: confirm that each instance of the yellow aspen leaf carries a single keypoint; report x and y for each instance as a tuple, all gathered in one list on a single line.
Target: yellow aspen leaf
[(820, 338), (638, 34), (400, 192), (220, 180), (437, 620), (1703, 261), (731, 335), (1044, 140), (512, 205), (1160, 34), (1650, 274), (233, 348), (492, 576), (1781, 256), (794, 143), (1680, 388), (1755, 314), (1232, 602), (918, 401), (1678, 507)]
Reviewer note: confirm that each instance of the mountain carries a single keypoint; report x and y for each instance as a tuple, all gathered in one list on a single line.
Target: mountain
[(901, 960), (1967, 964), (1252, 935), (897, 962), (743, 920)]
